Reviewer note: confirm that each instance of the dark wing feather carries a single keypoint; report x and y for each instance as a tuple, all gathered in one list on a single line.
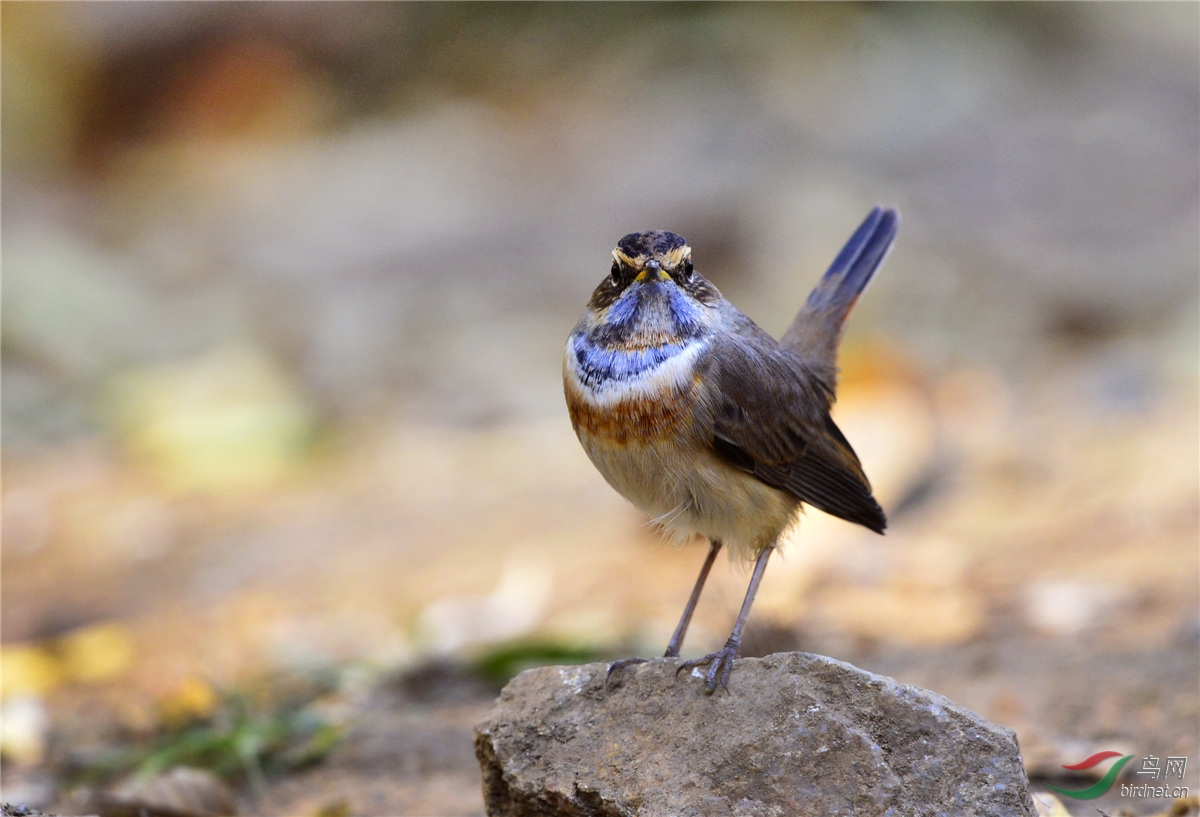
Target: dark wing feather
[(831, 478), (772, 420)]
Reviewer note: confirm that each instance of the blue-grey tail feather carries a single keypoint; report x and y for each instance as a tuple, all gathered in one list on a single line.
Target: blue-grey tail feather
[(855, 265), (816, 331)]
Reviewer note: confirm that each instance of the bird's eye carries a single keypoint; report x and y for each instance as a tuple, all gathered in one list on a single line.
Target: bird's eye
[(616, 271), (687, 269)]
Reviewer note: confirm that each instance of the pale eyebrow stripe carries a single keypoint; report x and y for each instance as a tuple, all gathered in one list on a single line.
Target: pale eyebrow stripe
[(622, 258)]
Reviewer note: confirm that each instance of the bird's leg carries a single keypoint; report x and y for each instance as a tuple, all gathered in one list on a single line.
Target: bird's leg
[(676, 641), (721, 662), (680, 631)]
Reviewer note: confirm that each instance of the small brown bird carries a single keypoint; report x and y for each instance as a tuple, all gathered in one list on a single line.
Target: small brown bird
[(704, 421)]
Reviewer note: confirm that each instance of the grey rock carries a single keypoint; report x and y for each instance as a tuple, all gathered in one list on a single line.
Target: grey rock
[(179, 792), (796, 734), (20, 810)]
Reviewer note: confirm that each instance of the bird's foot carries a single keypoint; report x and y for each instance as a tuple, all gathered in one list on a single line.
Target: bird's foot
[(719, 663), (616, 667)]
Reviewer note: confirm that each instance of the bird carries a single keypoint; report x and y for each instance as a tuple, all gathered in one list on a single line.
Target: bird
[(705, 422)]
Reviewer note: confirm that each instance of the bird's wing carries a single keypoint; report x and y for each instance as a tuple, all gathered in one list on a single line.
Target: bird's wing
[(771, 419)]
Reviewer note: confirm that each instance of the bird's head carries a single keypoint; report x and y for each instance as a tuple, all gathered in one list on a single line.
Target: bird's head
[(653, 288), (651, 254)]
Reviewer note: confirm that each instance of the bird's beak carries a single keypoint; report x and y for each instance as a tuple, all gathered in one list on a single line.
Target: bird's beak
[(653, 272)]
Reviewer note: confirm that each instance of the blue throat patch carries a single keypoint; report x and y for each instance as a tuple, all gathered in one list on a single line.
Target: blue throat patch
[(655, 309), (599, 365)]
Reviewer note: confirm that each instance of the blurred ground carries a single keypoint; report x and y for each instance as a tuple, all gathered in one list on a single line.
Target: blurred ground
[(285, 290)]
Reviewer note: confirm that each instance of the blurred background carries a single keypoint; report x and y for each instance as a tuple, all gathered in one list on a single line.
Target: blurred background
[(289, 486)]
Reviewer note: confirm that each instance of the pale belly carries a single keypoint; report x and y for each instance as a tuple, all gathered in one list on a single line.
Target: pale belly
[(650, 437)]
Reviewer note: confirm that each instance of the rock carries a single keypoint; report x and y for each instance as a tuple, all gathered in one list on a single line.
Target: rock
[(796, 734), (179, 792), (19, 810)]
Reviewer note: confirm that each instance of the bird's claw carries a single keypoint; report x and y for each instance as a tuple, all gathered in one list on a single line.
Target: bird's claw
[(617, 667), (719, 663)]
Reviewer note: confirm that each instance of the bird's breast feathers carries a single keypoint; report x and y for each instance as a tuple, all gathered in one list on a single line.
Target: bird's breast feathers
[(631, 393), (639, 416)]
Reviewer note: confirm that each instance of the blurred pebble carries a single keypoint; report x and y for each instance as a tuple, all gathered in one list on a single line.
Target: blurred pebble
[(23, 738), (1048, 805), (512, 609), (28, 670), (191, 700), (227, 420), (1069, 606), (180, 792), (101, 652), (29, 789), (335, 808)]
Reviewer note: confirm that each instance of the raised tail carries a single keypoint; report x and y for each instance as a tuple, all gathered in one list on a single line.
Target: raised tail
[(817, 329)]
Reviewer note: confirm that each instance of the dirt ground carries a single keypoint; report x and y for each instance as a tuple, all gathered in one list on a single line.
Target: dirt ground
[(1085, 645)]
